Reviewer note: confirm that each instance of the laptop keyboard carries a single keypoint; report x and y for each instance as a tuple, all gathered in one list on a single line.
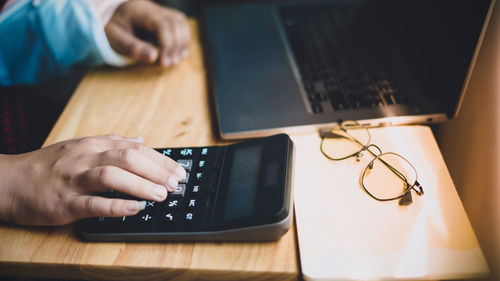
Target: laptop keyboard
[(338, 68)]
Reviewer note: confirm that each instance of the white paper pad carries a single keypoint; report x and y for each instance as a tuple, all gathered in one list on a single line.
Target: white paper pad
[(344, 234)]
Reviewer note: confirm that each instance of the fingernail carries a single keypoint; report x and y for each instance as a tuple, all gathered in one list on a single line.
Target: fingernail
[(172, 183), (160, 192), (134, 207), (176, 59), (184, 53), (152, 54), (141, 205), (165, 61), (180, 172)]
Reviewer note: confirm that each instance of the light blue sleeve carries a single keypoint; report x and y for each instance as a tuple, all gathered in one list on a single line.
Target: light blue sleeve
[(41, 40)]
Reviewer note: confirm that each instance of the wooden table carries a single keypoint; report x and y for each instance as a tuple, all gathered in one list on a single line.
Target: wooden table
[(168, 108)]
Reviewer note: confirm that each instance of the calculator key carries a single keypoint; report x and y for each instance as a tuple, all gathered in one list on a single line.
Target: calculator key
[(179, 191), (186, 152), (167, 152), (150, 204), (123, 219), (145, 218), (120, 221), (187, 164), (192, 204), (172, 203), (111, 222), (168, 218), (186, 179), (189, 217), (196, 190)]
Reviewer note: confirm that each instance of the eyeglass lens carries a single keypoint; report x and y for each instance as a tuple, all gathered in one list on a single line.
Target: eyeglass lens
[(389, 177), (341, 144)]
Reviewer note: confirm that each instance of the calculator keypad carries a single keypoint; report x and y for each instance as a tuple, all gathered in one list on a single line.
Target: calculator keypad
[(187, 208)]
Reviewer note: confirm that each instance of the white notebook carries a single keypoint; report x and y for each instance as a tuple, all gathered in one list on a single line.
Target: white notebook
[(344, 234)]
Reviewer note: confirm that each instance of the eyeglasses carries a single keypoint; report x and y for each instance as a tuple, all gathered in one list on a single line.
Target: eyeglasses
[(388, 176)]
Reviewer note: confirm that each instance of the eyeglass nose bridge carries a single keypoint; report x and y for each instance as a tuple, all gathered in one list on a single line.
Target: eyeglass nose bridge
[(375, 153), (373, 149)]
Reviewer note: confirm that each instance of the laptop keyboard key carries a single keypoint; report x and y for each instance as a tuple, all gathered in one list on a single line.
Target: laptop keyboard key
[(316, 107)]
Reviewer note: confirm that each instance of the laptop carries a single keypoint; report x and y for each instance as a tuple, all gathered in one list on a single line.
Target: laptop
[(300, 66)]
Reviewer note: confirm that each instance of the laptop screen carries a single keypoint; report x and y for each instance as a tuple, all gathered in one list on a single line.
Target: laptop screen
[(437, 39), (305, 64)]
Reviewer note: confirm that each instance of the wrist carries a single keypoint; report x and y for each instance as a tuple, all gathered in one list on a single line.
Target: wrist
[(102, 12), (8, 185)]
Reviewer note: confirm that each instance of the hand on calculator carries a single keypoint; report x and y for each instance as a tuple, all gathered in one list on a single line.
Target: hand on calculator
[(236, 192), (60, 183)]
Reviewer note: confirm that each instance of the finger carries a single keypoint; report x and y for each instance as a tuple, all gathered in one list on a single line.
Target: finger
[(165, 162), (126, 43), (184, 37), (97, 144), (166, 40), (126, 154), (138, 139), (97, 206), (179, 41), (119, 151), (141, 160), (105, 178)]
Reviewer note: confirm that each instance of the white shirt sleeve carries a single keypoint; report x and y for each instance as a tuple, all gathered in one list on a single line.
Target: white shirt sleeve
[(105, 9), (102, 10)]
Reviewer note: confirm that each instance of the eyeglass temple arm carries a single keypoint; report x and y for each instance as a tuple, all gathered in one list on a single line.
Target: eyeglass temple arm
[(407, 199), (332, 135), (420, 190), (394, 170)]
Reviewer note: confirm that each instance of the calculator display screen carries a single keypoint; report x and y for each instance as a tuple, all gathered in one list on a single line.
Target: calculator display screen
[(252, 186), (241, 190)]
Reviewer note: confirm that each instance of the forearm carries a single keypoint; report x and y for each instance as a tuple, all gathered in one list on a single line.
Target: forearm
[(51, 36)]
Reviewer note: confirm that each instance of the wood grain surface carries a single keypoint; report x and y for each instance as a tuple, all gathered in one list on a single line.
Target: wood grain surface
[(168, 108)]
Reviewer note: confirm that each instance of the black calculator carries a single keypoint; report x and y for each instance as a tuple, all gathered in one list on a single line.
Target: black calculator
[(237, 192)]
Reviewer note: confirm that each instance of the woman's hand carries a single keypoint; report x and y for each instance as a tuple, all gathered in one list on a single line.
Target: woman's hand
[(59, 184), (170, 28)]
